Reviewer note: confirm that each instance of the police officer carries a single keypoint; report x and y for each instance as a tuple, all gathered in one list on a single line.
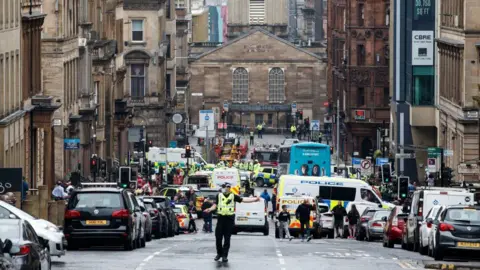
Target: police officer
[(225, 206)]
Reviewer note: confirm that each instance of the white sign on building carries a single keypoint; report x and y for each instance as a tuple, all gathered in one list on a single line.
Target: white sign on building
[(207, 119), (422, 48)]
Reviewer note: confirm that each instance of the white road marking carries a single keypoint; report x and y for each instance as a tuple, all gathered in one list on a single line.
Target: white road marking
[(279, 252), (347, 254), (339, 249), (281, 260), (141, 265), (394, 258), (148, 258)]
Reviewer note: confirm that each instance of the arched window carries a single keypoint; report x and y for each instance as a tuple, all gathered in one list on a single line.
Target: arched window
[(240, 85), (276, 85)]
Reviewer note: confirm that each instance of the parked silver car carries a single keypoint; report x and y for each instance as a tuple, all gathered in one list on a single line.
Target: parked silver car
[(376, 224)]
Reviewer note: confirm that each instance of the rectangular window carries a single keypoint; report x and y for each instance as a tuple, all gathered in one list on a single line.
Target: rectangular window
[(96, 86), (137, 30), (168, 8), (360, 96), (361, 14), (137, 77), (168, 84), (423, 86), (257, 11), (169, 46), (258, 119), (337, 193), (360, 54), (386, 96), (270, 119)]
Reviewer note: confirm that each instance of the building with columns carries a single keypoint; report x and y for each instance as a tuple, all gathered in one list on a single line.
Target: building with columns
[(259, 75)]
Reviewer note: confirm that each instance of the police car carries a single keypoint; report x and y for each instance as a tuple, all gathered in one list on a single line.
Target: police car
[(266, 176)]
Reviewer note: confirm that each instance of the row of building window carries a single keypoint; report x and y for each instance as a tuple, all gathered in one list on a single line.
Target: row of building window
[(276, 85), (10, 14), (10, 92)]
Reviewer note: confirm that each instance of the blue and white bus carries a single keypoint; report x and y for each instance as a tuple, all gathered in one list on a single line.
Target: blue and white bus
[(310, 159)]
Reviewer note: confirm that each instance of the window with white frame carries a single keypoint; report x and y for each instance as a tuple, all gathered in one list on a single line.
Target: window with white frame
[(137, 30), (137, 78), (240, 85), (276, 85), (180, 3)]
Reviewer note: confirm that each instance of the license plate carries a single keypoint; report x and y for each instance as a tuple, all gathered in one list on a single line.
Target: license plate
[(242, 219), (96, 222), (468, 244)]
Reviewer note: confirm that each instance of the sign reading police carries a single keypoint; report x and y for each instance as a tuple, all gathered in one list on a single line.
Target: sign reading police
[(422, 48)]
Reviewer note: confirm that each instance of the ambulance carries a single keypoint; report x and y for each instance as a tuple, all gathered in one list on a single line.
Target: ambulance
[(292, 203), (332, 190), (221, 176)]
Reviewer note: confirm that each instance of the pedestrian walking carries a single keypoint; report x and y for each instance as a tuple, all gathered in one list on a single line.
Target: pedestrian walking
[(207, 217), (274, 204), (293, 129), (252, 137), (265, 196), (303, 215), (284, 223), (226, 219), (24, 188), (338, 213), (192, 212), (353, 217), (58, 193)]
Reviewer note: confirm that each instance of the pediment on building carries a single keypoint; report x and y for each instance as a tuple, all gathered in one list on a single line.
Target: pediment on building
[(258, 45), (137, 55)]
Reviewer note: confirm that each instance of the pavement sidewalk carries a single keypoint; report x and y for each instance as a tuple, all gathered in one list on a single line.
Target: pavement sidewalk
[(452, 265)]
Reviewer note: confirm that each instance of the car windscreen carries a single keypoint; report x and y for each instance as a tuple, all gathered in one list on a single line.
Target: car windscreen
[(380, 214), (96, 200), (207, 193), (463, 215), (338, 193), (323, 209), (149, 206), (9, 231), (197, 179)]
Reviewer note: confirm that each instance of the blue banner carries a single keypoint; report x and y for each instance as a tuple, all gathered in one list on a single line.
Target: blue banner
[(381, 161), (71, 144)]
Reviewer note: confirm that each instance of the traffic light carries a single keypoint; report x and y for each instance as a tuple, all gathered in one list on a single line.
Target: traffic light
[(299, 115), (188, 151), (94, 164), (447, 175), (386, 173), (148, 145), (124, 175), (151, 167), (103, 168), (403, 182), (331, 150)]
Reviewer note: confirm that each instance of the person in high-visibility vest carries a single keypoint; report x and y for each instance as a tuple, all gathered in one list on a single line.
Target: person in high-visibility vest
[(256, 166), (293, 129), (259, 130), (250, 166), (225, 206)]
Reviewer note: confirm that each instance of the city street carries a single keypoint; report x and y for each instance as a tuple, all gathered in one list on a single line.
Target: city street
[(248, 251)]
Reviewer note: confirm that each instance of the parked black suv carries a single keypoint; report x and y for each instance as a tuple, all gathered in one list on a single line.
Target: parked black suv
[(159, 218), (164, 203), (103, 215)]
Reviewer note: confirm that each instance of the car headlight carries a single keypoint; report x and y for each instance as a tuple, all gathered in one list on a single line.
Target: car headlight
[(52, 228)]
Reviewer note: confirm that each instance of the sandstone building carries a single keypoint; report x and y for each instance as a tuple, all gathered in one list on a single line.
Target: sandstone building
[(259, 75)]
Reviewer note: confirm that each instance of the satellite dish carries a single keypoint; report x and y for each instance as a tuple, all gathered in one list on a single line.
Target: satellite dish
[(177, 118)]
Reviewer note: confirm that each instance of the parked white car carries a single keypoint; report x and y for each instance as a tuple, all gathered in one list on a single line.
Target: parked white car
[(44, 228), (425, 229)]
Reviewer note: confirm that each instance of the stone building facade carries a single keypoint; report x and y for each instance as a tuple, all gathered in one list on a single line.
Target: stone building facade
[(141, 70), (272, 15), (458, 97), (259, 75), (12, 136), (358, 72)]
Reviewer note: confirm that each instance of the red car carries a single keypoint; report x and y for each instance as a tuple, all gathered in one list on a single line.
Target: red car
[(392, 233)]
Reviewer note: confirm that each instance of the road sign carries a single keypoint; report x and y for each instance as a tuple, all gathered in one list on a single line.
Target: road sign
[(405, 155), (433, 152), (366, 164), (177, 118), (468, 168), (207, 119), (315, 125), (381, 161), (294, 107), (432, 164), (172, 144), (356, 163), (225, 106), (448, 153)]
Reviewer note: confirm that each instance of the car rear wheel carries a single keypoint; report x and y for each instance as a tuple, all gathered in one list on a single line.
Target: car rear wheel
[(129, 244), (260, 182), (266, 229), (331, 234), (437, 254)]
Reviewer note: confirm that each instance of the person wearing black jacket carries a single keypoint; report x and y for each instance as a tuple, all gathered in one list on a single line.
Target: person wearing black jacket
[(303, 215), (284, 223), (207, 217)]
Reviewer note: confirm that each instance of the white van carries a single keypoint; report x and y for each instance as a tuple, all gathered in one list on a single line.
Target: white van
[(425, 199), (251, 217), (221, 176), (332, 190)]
